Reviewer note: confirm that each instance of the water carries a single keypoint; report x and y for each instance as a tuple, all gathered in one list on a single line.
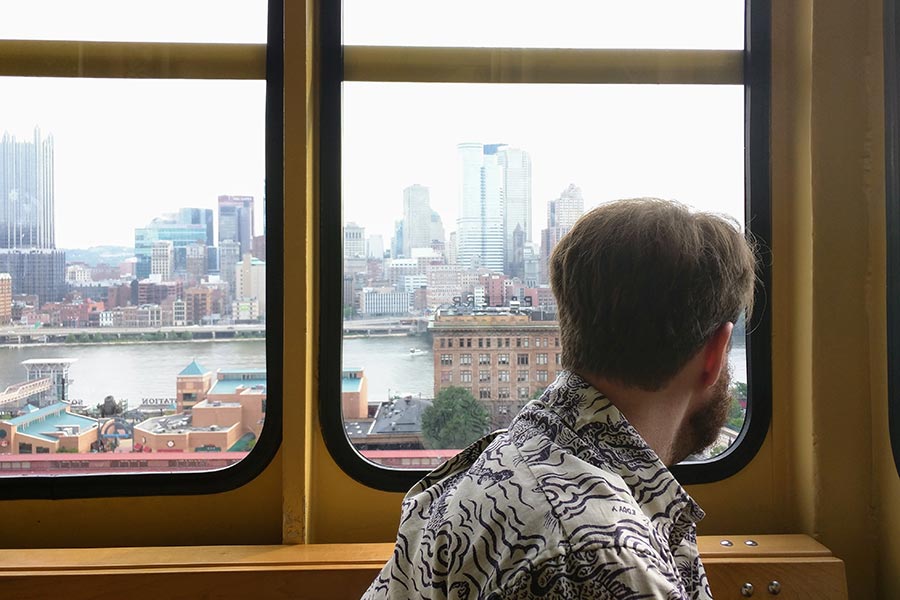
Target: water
[(132, 371), (389, 366), (135, 371)]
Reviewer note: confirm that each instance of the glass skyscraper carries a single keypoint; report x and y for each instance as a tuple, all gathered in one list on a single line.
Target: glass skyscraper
[(26, 192), (27, 237)]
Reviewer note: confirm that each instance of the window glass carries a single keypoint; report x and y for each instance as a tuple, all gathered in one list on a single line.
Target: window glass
[(424, 263), (132, 274), (211, 21), (710, 24)]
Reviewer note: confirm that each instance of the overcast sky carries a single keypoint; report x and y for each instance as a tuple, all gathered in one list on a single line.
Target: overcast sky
[(129, 150)]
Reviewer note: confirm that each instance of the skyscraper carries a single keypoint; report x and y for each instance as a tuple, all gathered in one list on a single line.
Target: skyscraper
[(516, 164), (416, 219), (189, 226), (561, 216), (236, 220), (26, 192), (480, 222), (27, 235)]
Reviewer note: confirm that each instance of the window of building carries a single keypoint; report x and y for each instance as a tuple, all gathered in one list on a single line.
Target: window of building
[(484, 394), (446, 359), (465, 376), (542, 375), (484, 376), (446, 376), (503, 359), (465, 359), (503, 393), (175, 267), (382, 82), (484, 359), (503, 375)]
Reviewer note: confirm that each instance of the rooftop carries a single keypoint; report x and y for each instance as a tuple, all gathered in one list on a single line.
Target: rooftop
[(193, 369), (47, 420), (49, 361), (230, 386), (401, 415), (351, 384)]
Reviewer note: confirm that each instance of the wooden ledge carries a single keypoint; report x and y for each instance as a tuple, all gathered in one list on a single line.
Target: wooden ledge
[(804, 568)]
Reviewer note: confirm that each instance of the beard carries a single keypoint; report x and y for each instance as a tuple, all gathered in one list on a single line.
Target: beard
[(702, 427)]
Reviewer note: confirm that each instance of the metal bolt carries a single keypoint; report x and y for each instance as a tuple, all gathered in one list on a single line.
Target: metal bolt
[(774, 588), (727, 543), (747, 590), (751, 543)]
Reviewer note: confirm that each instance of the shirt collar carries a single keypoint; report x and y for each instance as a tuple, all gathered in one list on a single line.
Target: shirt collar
[(619, 448)]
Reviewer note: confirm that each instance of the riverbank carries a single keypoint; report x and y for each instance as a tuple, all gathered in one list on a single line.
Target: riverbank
[(132, 342)]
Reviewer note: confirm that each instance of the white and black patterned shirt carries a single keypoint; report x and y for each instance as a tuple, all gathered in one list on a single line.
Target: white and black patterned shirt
[(569, 502)]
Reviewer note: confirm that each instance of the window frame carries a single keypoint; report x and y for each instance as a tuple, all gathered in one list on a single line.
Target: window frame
[(412, 64), (153, 60), (892, 217)]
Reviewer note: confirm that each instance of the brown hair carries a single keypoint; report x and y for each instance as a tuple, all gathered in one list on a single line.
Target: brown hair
[(642, 284)]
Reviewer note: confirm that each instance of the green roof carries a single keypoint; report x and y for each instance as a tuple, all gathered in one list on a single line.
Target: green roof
[(351, 384), (193, 369), (46, 420), (230, 386)]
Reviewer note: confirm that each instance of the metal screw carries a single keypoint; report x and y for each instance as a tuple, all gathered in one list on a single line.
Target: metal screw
[(774, 588), (751, 543), (747, 590), (727, 543)]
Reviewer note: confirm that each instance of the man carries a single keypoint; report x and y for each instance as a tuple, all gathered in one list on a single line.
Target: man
[(574, 500)]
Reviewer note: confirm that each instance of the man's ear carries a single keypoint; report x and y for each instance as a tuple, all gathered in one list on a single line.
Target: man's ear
[(715, 354)]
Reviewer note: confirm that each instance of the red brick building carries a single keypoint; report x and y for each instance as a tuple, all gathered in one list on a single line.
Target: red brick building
[(503, 359)]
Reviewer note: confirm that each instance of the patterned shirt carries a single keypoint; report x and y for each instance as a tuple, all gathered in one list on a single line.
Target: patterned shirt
[(569, 502)]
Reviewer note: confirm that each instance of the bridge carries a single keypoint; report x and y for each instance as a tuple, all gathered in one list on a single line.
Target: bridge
[(411, 325), (31, 335)]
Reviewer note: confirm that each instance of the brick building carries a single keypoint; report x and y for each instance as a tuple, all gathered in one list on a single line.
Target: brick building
[(502, 358)]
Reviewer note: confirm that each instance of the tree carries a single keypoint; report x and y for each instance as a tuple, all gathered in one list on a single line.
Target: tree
[(454, 420)]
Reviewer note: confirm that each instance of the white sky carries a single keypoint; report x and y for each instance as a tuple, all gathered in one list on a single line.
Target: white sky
[(129, 150), (677, 142)]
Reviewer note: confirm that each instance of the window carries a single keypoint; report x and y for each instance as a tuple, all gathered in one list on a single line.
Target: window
[(503, 359), (465, 359), (484, 394), (542, 376), (446, 359), (465, 376), (392, 80), (503, 393), (503, 375), (175, 267), (484, 376), (446, 376), (484, 359)]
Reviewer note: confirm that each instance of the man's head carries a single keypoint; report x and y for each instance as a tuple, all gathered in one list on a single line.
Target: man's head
[(643, 286)]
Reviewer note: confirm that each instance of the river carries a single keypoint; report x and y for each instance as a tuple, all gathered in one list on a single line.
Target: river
[(148, 370)]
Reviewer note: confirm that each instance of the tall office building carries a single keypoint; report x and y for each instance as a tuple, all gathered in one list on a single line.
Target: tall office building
[(562, 213), (480, 222), (162, 259), (26, 192), (5, 298), (416, 219), (516, 164), (27, 235), (229, 256), (236, 220), (250, 282), (199, 216), (187, 227)]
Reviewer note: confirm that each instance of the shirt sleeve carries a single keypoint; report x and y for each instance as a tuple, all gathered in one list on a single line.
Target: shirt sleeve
[(603, 573)]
